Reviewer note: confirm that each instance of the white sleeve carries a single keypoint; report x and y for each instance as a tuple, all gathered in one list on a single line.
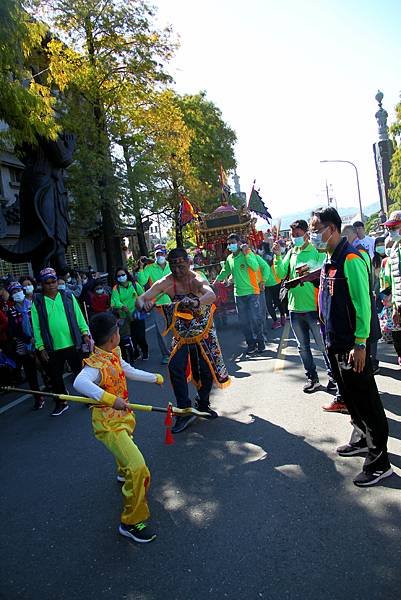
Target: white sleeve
[(136, 375), (85, 383)]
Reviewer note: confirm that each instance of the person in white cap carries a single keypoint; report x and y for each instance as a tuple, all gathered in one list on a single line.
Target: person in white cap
[(393, 265)]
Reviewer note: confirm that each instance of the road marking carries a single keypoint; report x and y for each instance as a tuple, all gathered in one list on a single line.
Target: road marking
[(283, 346), (14, 403)]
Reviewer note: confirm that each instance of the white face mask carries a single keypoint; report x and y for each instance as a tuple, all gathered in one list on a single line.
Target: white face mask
[(394, 235), (387, 250), (19, 296), (99, 291), (161, 260), (29, 289), (61, 287)]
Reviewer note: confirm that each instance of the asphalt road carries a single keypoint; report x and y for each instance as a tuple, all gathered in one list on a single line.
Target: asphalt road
[(255, 504)]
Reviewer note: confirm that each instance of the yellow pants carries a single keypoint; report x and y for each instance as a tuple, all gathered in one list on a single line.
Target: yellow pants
[(114, 430)]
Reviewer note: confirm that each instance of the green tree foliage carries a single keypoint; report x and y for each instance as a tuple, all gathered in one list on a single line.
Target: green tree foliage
[(26, 97), (395, 176), (105, 54)]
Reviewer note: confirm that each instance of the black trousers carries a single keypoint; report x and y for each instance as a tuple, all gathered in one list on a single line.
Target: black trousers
[(273, 302), (396, 335), (138, 335), (28, 362), (55, 367), (361, 397), (177, 368)]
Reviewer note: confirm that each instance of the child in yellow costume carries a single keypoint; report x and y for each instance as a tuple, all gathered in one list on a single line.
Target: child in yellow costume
[(103, 378)]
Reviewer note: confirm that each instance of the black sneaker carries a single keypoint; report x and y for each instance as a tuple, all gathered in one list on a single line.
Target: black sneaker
[(59, 409), (251, 349), (261, 346), (140, 532), (360, 447), (205, 407), (39, 403), (145, 355), (331, 386), (182, 423), (311, 385), (366, 479)]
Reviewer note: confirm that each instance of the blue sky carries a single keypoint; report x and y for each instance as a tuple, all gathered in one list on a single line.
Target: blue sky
[(296, 79)]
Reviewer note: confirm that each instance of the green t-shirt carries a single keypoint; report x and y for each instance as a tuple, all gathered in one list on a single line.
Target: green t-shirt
[(152, 273), (244, 269), (126, 296), (58, 323), (264, 269), (302, 298)]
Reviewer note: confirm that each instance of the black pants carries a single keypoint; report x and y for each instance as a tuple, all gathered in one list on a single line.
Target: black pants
[(396, 335), (28, 362), (177, 368), (138, 335), (55, 367), (273, 301), (359, 392)]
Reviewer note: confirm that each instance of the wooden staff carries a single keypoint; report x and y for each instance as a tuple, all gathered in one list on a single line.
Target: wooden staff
[(140, 407)]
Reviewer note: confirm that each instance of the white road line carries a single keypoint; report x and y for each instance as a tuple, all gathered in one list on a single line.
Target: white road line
[(283, 346), (14, 403)]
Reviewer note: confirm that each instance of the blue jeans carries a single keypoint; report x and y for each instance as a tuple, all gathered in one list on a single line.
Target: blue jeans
[(303, 324), (248, 309)]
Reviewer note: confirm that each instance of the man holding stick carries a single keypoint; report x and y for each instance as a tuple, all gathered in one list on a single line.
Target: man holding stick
[(195, 352)]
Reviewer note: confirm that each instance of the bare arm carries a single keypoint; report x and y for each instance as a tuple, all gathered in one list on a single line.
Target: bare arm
[(146, 300)]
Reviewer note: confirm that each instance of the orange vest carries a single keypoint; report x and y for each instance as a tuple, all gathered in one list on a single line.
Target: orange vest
[(113, 381)]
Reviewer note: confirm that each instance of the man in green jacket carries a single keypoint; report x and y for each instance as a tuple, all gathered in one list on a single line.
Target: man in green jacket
[(148, 275), (302, 301), (243, 266), (345, 311), (59, 330)]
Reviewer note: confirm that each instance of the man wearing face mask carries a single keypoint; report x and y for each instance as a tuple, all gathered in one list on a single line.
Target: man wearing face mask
[(20, 331), (60, 331), (148, 274), (302, 301), (243, 266), (345, 310)]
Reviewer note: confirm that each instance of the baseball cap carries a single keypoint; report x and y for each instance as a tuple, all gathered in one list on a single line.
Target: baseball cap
[(394, 219), (47, 273)]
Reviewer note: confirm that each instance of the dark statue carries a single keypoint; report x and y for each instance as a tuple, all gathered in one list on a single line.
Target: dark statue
[(43, 199)]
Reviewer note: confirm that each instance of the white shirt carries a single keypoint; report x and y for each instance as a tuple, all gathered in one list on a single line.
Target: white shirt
[(86, 382), (368, 243)]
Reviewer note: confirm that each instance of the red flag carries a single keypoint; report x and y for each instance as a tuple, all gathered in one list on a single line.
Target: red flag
[(187, 212)]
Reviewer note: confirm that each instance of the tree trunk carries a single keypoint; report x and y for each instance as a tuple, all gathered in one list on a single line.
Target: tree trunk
[(140, 231), (111, 238)]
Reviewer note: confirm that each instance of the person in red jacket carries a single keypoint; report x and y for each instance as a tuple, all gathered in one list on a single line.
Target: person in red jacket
[(99, 299)]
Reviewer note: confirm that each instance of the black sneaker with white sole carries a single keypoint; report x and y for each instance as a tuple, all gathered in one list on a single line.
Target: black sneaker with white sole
[(311, 385), (59, 409), (120, 478), (365, 479), (251, 350), (205, 407), (140, 532), (182, 423), (353, 449), (331, 386)]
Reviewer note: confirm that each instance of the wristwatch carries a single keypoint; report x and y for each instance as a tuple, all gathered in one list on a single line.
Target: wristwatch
[(360, 346)]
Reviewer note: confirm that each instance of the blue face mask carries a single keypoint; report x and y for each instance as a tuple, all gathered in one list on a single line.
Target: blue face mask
[(122, 278), (61, 287), (232, 247), (317, 241), (380, 249), (298, 241)]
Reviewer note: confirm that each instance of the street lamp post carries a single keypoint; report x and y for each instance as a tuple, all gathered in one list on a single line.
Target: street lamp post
[(357, 178)]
